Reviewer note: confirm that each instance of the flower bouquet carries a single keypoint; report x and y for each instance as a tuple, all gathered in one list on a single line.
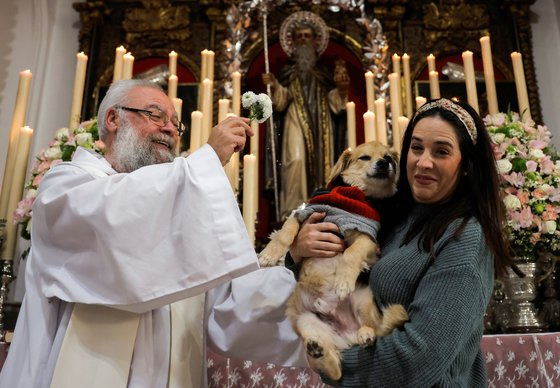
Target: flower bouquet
[(60, 149), (259, 105), (529, 168)]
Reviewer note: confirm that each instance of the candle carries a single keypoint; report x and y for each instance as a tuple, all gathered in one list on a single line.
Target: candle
[(380, 121), (370, 97), (249, 166), (470, 80), (223, 109), (16, 190), (18, 119), (210, 65), (434, 85), (369, 126), (431, 62), (396, 64), (172, 86), (178, 105), (118, 66), (78, 94), (207, 98), (196, 130), (407, 84), (396, 109), (521, 86), (203, 64), (254, 146), (489, 75), (397, 139), (172, 63), (232, 172), (351, 124), (236, 99), (128, 64), (420, 101)]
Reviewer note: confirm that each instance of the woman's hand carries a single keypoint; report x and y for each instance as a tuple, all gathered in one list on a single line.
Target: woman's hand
[(317, 239)]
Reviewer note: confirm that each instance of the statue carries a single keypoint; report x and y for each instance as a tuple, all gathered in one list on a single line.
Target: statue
[(304, 91)]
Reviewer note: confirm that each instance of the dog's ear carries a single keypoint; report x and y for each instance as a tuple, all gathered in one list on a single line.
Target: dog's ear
[(341, 165), (396, 157)]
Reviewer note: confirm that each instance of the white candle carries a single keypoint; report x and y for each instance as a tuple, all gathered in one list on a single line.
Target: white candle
[(127, 66), (172, 86), (254, 142), (203, 64), (397, 140), (381, 121), (521, 86), (210, 65), (178, 105), (172, 63), (434, 85), (489, 75), (351, 124), (431, 62), (78, 93), (396, 64), (396, 109), (207, 97), (236, 98), (420, 101), (370, 97), (470, 80), (232, 172), (223, 109), (369, 127), (196, 130), (118, 66), (18, 119), (249, 211), (407, 84)]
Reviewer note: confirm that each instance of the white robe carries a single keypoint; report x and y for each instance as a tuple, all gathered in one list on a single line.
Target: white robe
[(135, 242)]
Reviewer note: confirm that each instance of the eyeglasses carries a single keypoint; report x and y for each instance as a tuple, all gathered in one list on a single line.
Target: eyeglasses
[(158, 117)]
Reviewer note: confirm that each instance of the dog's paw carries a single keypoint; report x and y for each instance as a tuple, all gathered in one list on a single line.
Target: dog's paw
[(272, 254), (366, 336), (343, 288), (314, 349)]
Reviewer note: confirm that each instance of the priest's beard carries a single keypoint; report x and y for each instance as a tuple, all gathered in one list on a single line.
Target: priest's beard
[(305, 58), (130, 151)]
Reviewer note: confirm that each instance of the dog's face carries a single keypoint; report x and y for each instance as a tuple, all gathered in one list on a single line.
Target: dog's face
[(372, 167)]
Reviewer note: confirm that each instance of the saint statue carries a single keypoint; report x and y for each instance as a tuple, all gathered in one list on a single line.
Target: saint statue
[(305, 91)]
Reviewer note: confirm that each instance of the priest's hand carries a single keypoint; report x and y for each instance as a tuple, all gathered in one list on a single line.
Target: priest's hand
[(229, 136)]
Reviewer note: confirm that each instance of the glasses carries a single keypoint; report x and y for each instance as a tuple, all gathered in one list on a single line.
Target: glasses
[(157, 116)]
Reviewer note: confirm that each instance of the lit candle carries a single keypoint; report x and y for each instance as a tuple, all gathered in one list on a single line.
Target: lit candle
[(470, 80), (351, 124), (210, 65), (407, 84), (16, 190), (434, 85), (203, 64), (396, 64), (380, 121), (431, 62), (232, 172), (128, 64), (196, 130), (521, 86), (370, 97), (420, 101), (394, 95), (489, 75), (178, 105), (172, 63), (223, 109), (236, 99), (397, 139), (18, 119), (207, 97), (78, 94), (118, 66), (172, 86), (369, 126), (249, 211)]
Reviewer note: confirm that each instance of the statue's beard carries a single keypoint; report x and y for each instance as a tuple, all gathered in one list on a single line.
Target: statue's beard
[(130, 151), (305, 58)]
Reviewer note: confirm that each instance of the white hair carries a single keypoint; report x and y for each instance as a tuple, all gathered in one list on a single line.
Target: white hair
[(118, 94)]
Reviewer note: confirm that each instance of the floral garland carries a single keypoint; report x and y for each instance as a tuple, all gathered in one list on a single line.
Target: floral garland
[(529, 167), (59, 150)]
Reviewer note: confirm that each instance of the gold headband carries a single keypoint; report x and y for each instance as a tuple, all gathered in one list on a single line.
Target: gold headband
[(457, 110)]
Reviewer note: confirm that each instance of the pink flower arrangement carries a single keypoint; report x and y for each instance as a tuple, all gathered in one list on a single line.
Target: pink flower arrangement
[(59, 150), (529, 168)]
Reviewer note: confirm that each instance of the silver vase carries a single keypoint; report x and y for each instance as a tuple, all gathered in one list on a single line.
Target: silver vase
[(521, 293)]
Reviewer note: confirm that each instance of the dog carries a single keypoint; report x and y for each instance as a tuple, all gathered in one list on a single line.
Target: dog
[(327, 309)]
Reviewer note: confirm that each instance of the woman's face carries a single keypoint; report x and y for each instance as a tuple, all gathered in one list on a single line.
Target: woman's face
[(433, 163)]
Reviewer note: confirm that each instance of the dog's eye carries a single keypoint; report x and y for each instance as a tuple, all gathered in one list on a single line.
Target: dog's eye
[(364, 157)]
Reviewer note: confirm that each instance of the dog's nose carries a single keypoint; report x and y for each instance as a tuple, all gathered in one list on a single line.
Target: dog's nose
[(382, 163)]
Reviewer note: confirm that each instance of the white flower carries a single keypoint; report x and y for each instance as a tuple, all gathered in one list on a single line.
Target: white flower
[(536, 153), (53, 153), (84, 138), (248, 99), (31, 193), (512, 202), (266, 105), (549, 227), (62, 134), (504, 166), (499, 137)]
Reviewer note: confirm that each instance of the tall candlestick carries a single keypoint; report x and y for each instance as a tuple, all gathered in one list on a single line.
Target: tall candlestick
[(431, 62), (172, 63), (78, 94), (470, 80), (118, 66), (236, 98), (370, 97), (210, 65), (397, 140), (16, 190), (223, 109), (434, 85), (207, 98), (232, 172), (203, 64), (369, 126), (407, 85), (178, 105), (521, 86), (18, 119), (351, 124), (172, 86), (396, 63), (128, 64), (249, 166), (196, 130), (489, 75), (381, 121), (254, 145), (396, 109), (420, 101)]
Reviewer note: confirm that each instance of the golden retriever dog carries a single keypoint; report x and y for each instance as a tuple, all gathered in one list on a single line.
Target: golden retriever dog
[(328, 310)]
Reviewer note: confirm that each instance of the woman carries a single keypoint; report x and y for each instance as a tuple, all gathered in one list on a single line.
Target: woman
[(442, 244)]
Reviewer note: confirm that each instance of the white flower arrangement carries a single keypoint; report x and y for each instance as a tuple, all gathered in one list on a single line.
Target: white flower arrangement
[(259, 106)]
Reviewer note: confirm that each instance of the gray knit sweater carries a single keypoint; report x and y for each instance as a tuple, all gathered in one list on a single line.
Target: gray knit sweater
[(445, 299)]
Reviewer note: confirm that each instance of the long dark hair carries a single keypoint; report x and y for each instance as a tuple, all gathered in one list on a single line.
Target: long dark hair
[(477, 194)]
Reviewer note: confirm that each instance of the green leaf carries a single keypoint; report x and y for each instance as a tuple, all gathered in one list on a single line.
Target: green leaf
[(67, 152), (518, 165)]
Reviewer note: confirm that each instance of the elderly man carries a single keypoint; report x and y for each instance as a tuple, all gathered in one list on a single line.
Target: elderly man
[(116, 240)]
